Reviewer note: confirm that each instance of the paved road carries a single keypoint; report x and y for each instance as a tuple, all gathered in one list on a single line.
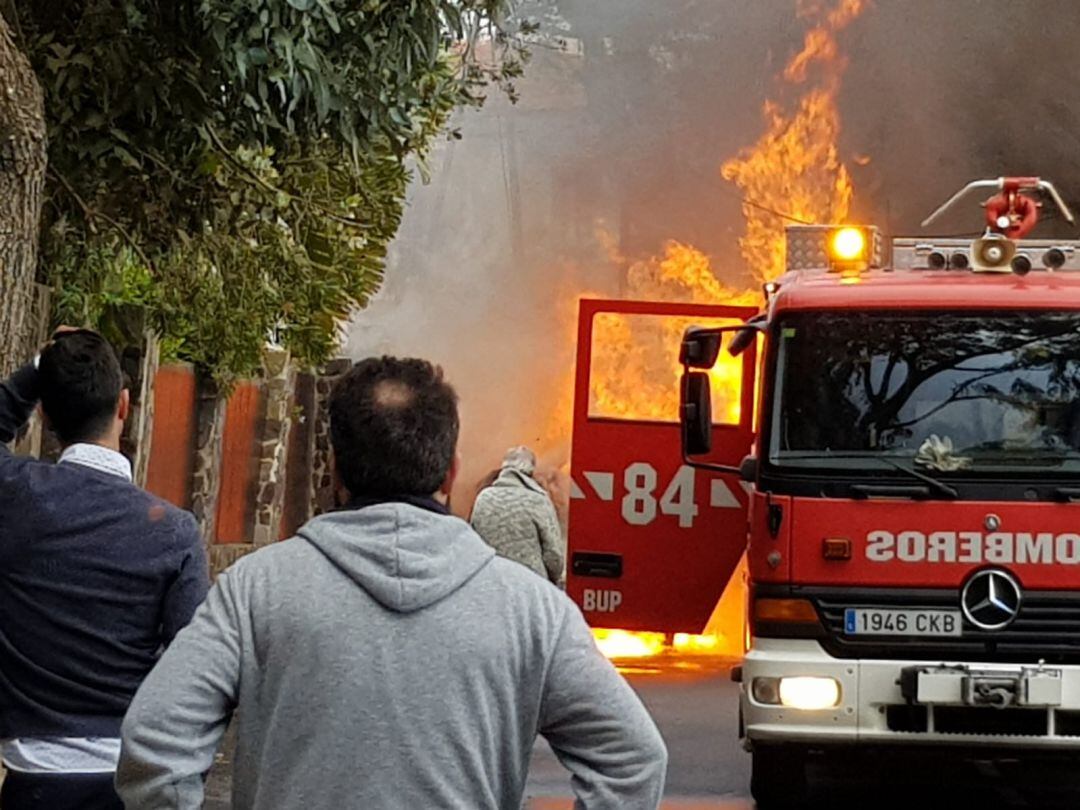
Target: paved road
[(697, 714)]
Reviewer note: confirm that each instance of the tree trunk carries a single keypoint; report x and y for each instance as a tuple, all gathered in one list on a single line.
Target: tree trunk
[(22, 187)]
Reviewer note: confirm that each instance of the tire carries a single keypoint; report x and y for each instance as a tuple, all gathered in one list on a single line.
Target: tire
[(778, 777)]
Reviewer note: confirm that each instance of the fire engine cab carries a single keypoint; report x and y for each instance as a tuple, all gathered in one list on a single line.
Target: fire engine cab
[(903, 481)]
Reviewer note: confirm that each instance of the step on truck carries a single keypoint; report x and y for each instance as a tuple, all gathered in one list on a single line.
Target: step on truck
[(904, 482)]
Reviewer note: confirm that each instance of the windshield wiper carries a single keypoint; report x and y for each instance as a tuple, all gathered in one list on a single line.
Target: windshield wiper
[(940, 486), (914, 492)]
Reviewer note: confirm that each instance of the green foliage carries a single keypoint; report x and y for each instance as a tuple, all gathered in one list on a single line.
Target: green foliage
[(237, 168)]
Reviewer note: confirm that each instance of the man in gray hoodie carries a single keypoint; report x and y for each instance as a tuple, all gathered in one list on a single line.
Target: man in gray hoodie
[(385, 657)]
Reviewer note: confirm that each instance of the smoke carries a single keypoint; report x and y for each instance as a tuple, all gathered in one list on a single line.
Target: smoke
[(938, 94), (623, 134)]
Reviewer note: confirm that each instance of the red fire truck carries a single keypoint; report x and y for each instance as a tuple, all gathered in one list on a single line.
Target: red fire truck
[(906, 501)]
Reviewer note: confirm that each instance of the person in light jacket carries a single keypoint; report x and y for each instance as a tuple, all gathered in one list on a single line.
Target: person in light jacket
[(385, 658), (516, 517)]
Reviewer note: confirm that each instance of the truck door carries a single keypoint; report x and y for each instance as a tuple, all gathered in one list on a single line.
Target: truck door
[(652, 542)]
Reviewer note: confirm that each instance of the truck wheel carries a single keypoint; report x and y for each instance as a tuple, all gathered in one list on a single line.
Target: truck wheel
[(778, 777)]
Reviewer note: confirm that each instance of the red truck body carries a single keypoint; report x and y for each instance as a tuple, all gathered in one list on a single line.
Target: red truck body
[(908, 508)]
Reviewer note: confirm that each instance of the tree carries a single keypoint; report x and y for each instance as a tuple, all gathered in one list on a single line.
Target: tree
[(236, 168), (22, 177)]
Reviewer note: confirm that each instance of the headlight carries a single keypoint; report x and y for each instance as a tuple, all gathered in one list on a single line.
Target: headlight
[(809, 693)]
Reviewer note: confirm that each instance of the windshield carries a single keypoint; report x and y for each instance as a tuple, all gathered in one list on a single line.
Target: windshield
[(945, 392)]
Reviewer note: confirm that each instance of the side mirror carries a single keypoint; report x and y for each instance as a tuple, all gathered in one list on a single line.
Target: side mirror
[(696, 411), (742, 341), (700, 347), (746, 336)]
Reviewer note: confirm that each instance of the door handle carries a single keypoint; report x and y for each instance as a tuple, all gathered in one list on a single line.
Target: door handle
[(595, 564)]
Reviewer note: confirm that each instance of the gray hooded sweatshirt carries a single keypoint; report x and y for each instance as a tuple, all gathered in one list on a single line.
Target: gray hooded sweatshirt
[(386, 658)]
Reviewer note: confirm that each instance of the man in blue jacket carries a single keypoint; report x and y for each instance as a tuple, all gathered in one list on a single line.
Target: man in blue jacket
[(96, 577)]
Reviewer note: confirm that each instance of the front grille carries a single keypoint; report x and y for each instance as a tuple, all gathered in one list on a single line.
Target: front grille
[(1046, 628), (907, 718), (990, 721), (1068, 723), (1013, 722)]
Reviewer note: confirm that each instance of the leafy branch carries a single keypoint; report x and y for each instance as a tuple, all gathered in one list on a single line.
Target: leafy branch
[(232, 169)]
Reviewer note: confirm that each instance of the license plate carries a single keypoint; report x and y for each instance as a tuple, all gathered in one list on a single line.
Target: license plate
[(885, 622)]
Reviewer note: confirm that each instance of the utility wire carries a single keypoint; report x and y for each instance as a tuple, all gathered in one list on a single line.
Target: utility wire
[(774, 212), (765, 208)]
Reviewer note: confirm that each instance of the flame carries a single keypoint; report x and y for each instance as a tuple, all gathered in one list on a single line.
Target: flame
[(636, 370), (723, 639), (635, 358), (794, 170), (819, 44), (621, 644)]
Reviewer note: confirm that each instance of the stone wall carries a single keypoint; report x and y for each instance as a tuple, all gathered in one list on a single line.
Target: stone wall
[(296, 509), (322, 478), (222, 555), (273, 445), (206, 471), (294, 416)]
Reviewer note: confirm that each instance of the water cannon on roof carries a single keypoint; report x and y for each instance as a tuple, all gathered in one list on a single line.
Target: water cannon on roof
[(1011, 214), (1014, 211)]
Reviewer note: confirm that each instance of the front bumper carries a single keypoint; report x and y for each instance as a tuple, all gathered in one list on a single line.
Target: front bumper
[(873, 708)]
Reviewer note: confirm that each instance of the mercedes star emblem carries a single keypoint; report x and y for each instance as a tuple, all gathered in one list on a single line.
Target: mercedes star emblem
[(991, 599)]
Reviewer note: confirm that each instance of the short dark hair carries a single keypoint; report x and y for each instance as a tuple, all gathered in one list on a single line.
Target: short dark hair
[(394, 427), (80, 382)]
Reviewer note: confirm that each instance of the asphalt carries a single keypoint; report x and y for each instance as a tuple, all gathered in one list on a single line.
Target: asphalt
[(696, 710)]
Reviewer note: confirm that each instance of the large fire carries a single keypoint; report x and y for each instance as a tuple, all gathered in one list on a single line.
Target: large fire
[(793, 172)]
